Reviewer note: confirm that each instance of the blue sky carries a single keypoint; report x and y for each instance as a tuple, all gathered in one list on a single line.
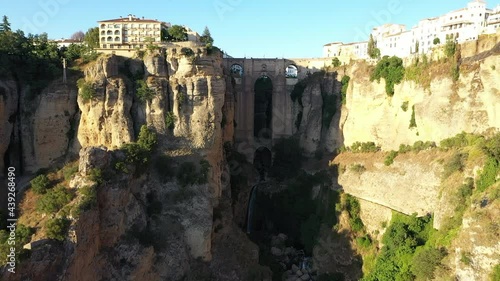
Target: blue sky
[(251, 28)]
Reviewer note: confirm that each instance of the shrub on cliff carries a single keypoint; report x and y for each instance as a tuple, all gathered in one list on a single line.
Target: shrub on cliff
[(89, 200), (425, 261), (364, 147), (392, 70), (87, 92), (389, 159), (54, 200), (188, 52), (57, 228), (345, 84), (40, 184), (170, 120), (455, 164), (147, 138), (143, 92), (336, 62)]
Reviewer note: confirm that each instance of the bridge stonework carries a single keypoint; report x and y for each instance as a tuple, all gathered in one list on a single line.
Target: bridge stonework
[(283, 113)]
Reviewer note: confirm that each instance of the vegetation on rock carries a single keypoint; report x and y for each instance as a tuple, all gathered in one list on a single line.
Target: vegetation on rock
[(143, 92), (177, 33), (39, 184), (392, 70), (87, 91), (57, 228)]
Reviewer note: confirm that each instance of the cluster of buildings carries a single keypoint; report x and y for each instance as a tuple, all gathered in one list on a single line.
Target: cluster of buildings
[(395, 40)]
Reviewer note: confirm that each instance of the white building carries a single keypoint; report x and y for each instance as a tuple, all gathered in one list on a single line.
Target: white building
[(129, 32), (346, 52), (460, 25), (493, 20), (465, 24), (332, 49), (424, 34), (64, 43)]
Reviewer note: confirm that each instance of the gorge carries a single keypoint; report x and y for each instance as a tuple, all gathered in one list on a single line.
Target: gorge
[(184, 165)]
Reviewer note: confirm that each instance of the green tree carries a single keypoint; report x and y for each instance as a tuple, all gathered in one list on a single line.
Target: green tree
[(206, 38), (436, 41), (57, 228), (177, 33), (54, 200), (373, 51), (74, 51), (425, 261), (336, 62), (147, 138), (92, 37), (164, 34), (143, 92), (40, 184), (5, 25), (392, 70)]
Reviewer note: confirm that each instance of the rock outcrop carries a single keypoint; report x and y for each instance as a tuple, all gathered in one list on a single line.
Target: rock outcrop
[(408, 186), (106, 119)]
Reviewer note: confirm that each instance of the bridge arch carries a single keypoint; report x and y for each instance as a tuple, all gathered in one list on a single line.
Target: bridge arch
[(263, 107), (291, 71), (236, 70)]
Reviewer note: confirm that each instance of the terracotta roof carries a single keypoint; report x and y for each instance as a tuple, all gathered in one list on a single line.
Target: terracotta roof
[(126, 19), (333, 43)]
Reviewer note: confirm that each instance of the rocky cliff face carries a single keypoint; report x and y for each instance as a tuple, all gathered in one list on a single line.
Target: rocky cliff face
[(39, 127), (195, 91), (445, 109), (48, 127), (106, 119), (149, 227), (315, 134), (8, 109)]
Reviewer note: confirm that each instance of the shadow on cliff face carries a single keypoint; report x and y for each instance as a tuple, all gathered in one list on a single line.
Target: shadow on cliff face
[(304, 212)]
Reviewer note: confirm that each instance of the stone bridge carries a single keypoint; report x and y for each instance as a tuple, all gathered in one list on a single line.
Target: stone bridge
[(264, 109)]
